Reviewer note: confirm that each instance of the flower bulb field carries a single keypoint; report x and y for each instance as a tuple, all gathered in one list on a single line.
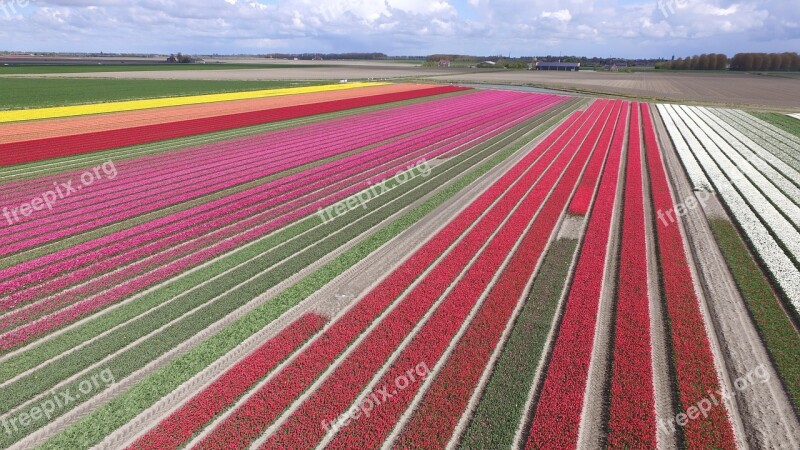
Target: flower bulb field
[(398, 265)]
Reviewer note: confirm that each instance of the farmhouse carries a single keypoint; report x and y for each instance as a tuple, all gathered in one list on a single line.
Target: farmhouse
[(558, 66)]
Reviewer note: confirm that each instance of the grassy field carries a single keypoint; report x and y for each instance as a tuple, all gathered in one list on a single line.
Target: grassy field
[(19, 93), (773, 324), (28, 69), (782, 121)]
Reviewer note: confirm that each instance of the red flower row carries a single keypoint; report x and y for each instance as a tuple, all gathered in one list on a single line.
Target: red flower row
[(632, 406), (339, 391), (693, 360), (557, 417)]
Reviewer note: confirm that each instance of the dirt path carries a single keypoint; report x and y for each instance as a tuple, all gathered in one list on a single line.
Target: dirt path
[(762, 414)]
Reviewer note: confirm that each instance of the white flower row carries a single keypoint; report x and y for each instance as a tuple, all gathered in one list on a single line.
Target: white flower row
[(787, 171), (676, 132), (717, 148), (746, 167), (777, 262), (782, 147), (796, 116)]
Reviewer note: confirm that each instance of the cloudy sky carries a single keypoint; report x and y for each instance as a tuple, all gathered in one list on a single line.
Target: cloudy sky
[(625, 28)]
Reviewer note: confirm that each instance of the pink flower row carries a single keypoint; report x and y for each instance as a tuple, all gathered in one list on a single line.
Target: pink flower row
[(167, 186)]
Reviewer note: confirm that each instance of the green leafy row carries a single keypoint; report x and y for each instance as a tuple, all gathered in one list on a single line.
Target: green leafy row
[(774, 325), (501, 408)]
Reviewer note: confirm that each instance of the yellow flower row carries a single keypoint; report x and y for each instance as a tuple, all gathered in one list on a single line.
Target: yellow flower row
[(132, 105)]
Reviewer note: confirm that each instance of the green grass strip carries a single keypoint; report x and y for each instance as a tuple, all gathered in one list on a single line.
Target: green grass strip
[(782, 121), (41, 92), (500, 410), (125, 407), (773, 324), (112, 66)]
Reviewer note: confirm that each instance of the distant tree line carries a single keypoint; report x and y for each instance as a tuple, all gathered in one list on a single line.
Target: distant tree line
[(710, 61), (777, 62), (772, 62), (310, 56)]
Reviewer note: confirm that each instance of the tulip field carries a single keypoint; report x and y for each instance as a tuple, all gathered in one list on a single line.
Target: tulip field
[(378, 265)]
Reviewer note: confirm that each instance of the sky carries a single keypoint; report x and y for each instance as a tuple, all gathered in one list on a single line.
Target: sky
[(605, 28)]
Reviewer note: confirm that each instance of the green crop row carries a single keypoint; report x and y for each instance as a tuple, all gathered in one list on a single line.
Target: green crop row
[(782, 121), (774, 325), (501, 408)]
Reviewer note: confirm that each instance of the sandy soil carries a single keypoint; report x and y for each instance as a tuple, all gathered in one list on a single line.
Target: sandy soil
[(762, 414)]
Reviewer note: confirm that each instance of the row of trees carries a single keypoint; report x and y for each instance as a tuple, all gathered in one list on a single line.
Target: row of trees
[(784, 62), (712, 61)]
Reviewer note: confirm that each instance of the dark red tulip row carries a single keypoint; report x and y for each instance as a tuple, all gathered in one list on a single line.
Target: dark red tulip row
[(558, 413), (693, 361), (632, 409)]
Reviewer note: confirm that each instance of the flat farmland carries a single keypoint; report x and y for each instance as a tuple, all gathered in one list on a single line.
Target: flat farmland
[(402, 265), (721, 89)]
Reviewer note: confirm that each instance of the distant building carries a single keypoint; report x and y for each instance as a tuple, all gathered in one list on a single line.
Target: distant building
[(569, 67), (444, 63), (317, 58), (614, 67)]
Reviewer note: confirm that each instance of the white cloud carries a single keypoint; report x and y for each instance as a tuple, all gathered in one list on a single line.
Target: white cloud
[(591, 27), (562, 14)]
